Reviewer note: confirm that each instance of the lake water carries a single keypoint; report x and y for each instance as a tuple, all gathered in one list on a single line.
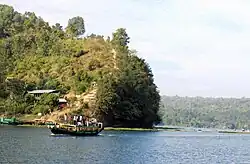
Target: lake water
[(30, 145)]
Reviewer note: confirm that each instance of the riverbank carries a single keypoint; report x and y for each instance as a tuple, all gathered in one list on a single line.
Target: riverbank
[(129, 129), (36, 121), (155, 129), (235, 132)]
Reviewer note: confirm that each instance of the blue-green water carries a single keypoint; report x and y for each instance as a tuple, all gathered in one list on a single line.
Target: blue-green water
[(36, 145)]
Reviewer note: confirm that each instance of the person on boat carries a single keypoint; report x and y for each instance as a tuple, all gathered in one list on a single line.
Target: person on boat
[(80, 120), (70, 119), (87, 122), (57, 125), (75, 120), (83, 120), (78, 123), (93, 121), (65, 118)]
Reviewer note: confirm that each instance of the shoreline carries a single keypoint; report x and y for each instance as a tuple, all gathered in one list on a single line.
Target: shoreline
[(154, 129), (130, 129), (234, 132), (28, 121)]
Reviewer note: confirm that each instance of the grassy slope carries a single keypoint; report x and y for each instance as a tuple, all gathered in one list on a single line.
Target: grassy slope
[(63, 68)]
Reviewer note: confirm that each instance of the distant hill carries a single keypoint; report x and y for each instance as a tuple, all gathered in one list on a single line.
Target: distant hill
[(206, 112)]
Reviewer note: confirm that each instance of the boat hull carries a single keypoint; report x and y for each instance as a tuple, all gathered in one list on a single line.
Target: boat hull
[(55, 130)]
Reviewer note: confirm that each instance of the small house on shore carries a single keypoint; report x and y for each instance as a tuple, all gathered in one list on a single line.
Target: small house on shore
[(37, 94), (62, 103)]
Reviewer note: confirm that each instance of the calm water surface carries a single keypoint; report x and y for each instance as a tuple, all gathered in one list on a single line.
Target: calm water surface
[(36, 145)]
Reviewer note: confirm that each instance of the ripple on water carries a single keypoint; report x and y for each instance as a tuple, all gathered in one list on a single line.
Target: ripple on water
[(36, 145)]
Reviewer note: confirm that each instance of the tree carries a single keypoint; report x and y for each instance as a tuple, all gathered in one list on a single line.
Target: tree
[(120, 40), (106, 99), (57, 31), (2, 75), (129, 97), (6, 16), (75, 26)]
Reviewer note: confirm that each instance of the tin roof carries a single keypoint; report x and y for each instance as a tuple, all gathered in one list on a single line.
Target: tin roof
[(62, 100), (41, 91)]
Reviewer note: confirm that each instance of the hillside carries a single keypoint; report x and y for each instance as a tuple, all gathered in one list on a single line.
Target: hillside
[(99, 77), (206, 112)]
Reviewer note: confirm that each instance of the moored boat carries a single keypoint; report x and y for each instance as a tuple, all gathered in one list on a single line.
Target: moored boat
[(10, 121), (76, 130)]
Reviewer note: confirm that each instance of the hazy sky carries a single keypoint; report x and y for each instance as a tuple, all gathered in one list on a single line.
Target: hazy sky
[(194, 47)]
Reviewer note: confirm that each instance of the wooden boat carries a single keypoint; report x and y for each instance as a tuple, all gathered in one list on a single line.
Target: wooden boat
[(76, 130)]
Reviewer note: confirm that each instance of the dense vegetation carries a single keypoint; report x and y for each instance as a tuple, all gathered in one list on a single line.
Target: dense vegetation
[(128, 96), (206, 112), (35, 55)]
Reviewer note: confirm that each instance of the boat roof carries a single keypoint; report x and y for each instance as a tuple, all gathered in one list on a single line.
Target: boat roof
[(67, 125), (42, 91), (39, 119)]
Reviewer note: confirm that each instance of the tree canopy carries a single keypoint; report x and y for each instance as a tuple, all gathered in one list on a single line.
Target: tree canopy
[(76, 26), (129, 97), (120, 40)]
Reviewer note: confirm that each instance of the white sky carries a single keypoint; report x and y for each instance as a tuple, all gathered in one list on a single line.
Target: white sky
[(194, 47)]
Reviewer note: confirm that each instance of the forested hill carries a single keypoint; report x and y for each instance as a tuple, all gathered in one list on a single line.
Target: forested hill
[(206, 112), (37, 55)]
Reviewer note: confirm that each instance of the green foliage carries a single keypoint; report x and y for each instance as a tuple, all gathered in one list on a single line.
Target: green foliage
[(85, 105), (106, 98), (44, 109), (49, 99), (94, 64), (206, 112), (40, 56), (82, 81), (3, 93), (120, 40), (76, 26), (77, 112), (6, 17), (129, 97), (15, 87), (30, 99), (17, 106), (47, 103)]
